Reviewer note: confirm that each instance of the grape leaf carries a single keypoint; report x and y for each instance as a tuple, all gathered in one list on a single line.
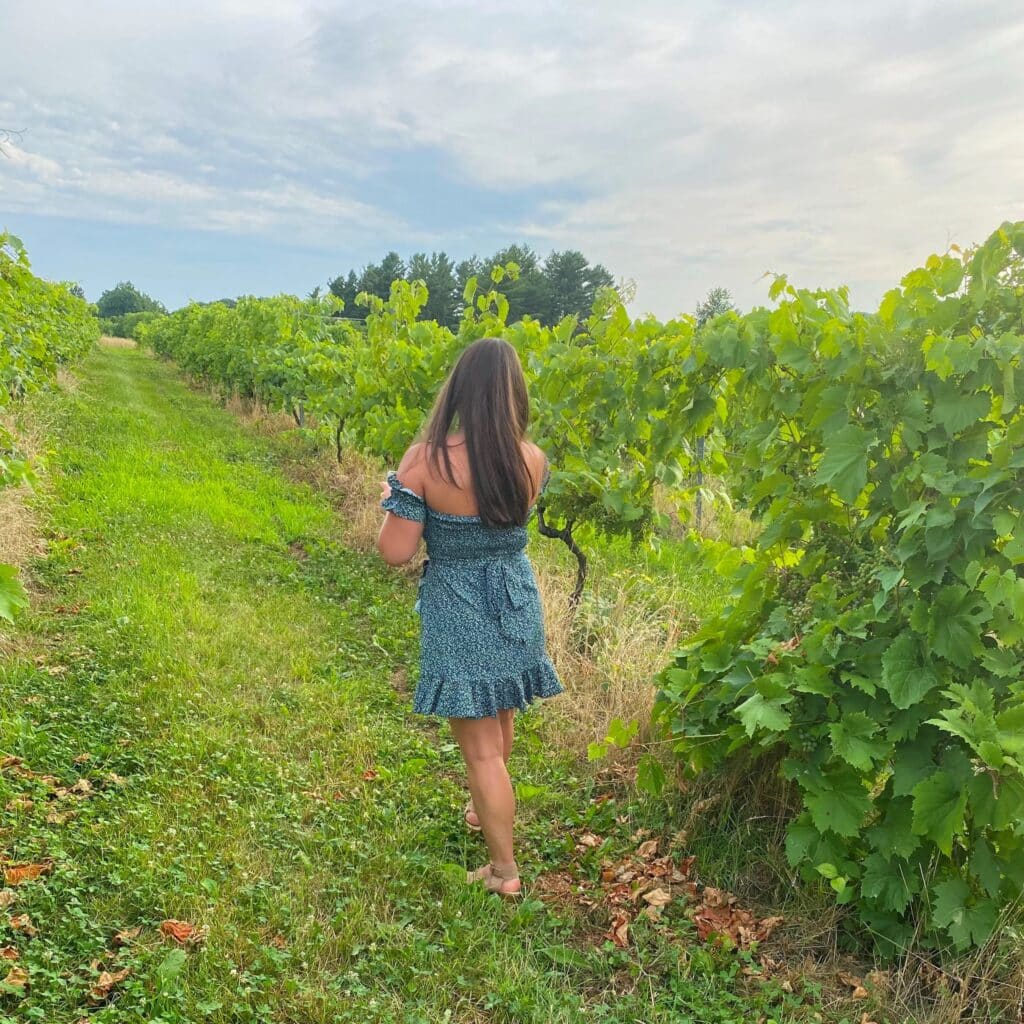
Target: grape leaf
[(939, 805), (845, 462), (852, 740), (839, 804), (905, 676)]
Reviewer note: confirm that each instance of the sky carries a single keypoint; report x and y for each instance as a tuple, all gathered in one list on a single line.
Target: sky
[(230, 147)]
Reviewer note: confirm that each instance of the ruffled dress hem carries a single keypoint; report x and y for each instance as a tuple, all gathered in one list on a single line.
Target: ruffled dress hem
[(484, 698)]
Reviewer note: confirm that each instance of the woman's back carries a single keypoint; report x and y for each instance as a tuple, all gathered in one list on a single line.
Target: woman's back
[(455, 497)]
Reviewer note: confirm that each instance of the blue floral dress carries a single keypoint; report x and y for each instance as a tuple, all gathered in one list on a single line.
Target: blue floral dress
[(482, 646)]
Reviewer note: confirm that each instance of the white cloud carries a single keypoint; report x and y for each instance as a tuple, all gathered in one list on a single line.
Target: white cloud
[(688, 145)]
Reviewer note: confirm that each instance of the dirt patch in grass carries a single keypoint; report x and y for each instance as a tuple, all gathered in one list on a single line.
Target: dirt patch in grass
[(107, 341)]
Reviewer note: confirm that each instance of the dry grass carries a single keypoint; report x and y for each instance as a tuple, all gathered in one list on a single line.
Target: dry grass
[(266, 424), (20, 539), (718, 520), (109, 342), (607, 655)]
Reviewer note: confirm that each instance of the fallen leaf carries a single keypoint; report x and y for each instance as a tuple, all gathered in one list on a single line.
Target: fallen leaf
[(619, 932), (860, 993), (657, 897), (10, 761), (717, 897), (279, 942), (19, 873), (59, 817), (647, 849), (588, 839), (865, 1018), (83, 787), (182, 932), (23, 923), (651, 913), (106, 983), (17, 977), (123, 938), (878, 980), (20, 803), (9, 953), (369, 775), (850, 980), (685, 868), (713, 921), (114, 779), (82, 758), (6, 898)]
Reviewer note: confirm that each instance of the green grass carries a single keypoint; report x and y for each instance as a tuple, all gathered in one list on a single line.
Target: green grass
[(231, 673)]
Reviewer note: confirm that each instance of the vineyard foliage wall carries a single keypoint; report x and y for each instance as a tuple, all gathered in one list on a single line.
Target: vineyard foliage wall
[(42, 325), (873, 647)]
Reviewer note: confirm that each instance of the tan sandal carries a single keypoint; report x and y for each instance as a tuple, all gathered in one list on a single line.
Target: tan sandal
[(470, 809), (494, 877)]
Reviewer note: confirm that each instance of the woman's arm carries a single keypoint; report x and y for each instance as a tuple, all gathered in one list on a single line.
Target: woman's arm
[(400, 533)]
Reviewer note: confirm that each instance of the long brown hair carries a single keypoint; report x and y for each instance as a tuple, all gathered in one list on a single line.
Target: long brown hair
[(486, 394)]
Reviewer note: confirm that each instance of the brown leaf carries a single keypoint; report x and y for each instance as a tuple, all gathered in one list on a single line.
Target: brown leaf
[(23, 923), (619, 894), (850, 980), (9, 761), (279, 942), (651, 913), (20, 803), (865, 1018), (657, 897), (6, 898), (123, 938), (17, 977), (713, 921), (588, 839), (83, 787), (59, 817), (113, 779), (717, 897), (182, 932), (860, 993), (106, 983), (685, 869), (82, 758), (369, 775), (9, 953), (619, 931), (647, 849), (878, 980), (766, 926), (19, 873)]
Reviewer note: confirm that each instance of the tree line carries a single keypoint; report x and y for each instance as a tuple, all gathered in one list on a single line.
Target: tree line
[(547, 289)]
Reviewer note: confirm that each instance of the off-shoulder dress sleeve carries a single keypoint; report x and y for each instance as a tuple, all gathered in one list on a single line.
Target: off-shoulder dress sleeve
[(404, 503)]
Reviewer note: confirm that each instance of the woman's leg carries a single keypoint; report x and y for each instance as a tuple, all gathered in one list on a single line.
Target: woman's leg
[(482, 743), (506, 720)]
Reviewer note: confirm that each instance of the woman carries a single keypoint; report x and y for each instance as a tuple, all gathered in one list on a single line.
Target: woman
[(468, 489)]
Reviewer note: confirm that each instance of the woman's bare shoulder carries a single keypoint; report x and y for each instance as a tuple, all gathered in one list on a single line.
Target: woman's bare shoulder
[(535, 456), (414, 468)]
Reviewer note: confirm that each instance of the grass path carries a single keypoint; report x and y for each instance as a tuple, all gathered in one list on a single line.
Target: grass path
[(230, 683)]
